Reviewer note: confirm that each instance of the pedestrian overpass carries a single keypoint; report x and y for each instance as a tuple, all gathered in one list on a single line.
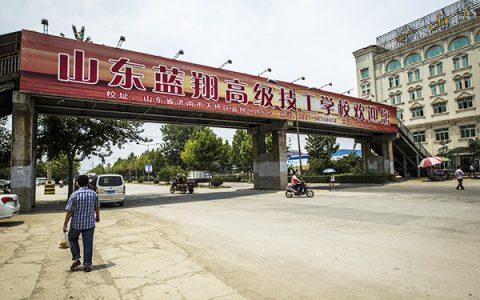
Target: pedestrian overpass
[(44, 74)]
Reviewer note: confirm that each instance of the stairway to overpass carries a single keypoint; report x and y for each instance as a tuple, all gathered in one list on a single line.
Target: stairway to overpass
[(407, 152)]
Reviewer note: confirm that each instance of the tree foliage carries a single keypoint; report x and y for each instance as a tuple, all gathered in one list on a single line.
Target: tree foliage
[(78, 138), (203, 151), (320, 150), (5, 144), (59, 168), (241, 152), (174, 139), (474, 147)]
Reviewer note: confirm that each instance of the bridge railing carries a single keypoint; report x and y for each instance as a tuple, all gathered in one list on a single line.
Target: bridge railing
[(410, 137), (9, 65)]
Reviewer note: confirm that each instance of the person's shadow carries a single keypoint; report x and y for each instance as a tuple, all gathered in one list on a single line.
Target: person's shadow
[(107, 265), (10, 223)]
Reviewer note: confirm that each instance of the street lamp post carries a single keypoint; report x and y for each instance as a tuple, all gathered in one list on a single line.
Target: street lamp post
[(296, 118)]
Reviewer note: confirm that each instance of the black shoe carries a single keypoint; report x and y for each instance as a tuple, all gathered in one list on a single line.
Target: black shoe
[(75, 264), (87, 269)]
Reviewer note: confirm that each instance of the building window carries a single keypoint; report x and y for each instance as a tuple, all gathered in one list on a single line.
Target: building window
[(439, 108), (400, 115), (458, 43), (463, 82), (477, 38), (414, 75), (461, 62), (419, 136), (417, 112), (412, 59), (395, 99), (441, 87), (434, 51), (394, 81), (433, 87), (364, 73), (465, 102), (365, 88), (467, 131), (441, 134), (415, 93), (435, 69), (393, 65)]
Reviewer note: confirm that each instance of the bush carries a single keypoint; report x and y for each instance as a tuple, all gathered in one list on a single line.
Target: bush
[(168, 173), (217, 181), (348, 178), (156, 181), (230, 178)]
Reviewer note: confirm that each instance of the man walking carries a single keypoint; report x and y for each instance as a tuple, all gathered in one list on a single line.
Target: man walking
[(459, 176), (83, 208)]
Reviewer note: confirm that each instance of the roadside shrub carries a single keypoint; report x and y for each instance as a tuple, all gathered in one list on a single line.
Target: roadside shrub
[(156, 181), (217, 181), (348, 178), (168, 173), (230, 178)]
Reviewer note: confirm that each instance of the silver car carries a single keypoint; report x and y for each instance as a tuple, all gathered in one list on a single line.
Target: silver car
[(9, 205), (110, 188)]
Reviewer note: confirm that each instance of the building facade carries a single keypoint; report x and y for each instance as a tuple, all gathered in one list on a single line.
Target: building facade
[(429, 70)]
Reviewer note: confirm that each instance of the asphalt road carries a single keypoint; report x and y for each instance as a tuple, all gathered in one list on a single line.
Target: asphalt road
[(411, 240)]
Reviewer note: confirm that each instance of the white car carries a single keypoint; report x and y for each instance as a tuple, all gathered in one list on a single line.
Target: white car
[(9, 205), (110, 188)]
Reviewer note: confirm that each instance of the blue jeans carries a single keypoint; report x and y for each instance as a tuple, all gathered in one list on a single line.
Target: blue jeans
[(87, 238)]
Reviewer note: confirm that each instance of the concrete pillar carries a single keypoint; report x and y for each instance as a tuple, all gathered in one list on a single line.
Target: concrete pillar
[(365, 155), (387, 152), (24, 133), (270, 169)]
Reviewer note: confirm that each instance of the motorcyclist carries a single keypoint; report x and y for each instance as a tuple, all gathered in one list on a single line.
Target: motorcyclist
[(296, 183)]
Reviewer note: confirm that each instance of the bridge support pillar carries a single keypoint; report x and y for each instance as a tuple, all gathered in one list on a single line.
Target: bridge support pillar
[(24, 131), (270, 168), (388, 162), (366, 149)]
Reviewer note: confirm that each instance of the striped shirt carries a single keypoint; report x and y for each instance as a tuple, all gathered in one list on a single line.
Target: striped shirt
[(82, 204)]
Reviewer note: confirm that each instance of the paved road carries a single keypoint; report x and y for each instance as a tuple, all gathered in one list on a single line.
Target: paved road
[(411, 240)]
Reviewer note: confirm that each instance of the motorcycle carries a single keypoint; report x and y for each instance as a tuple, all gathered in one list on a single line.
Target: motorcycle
[(306, 191)]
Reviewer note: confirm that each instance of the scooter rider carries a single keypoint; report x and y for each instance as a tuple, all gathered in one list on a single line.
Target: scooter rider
[(296, 183)]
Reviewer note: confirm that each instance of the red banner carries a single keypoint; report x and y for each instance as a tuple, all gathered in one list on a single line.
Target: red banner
[(63, 67)]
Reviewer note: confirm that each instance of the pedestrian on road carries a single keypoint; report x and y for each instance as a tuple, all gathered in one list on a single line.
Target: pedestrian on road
[(471, 171), (459, 175), (83, 208), (331, 182)]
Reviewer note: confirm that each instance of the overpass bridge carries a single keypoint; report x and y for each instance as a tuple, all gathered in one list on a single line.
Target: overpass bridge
[(55, 75)]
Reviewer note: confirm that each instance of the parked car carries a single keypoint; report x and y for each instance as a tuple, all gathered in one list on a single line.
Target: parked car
[(9, 204), (110, 188), (40, 180), (4, 184)]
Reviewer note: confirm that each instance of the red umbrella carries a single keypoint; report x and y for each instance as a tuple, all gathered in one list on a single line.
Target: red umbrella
[(430, 161)]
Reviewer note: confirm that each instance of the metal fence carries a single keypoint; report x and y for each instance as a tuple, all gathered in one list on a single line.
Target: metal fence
[(445, 18), (9, 65), (408, 134)]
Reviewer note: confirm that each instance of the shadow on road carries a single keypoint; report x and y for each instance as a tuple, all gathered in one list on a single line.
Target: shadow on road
[(10, 223), (157, 199)]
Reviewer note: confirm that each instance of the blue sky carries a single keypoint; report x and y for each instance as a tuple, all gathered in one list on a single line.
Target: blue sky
[(307, 38)]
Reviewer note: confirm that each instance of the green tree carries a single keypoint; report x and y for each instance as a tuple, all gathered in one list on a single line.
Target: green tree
[(350, 163), (444, 150), (174, 139), (241, 151), (203, 151), (78, 138), (474, 147), (320, 150), (225, 163), (5, 144)]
